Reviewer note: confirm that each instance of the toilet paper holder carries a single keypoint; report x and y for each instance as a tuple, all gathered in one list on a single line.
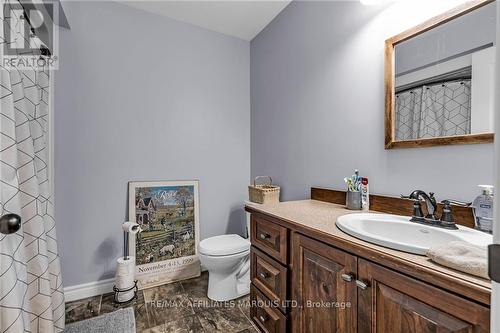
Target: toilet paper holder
[(117, 291), (128, 228)]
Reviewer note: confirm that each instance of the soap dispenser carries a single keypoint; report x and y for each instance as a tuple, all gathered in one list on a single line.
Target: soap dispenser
[(483, 209)]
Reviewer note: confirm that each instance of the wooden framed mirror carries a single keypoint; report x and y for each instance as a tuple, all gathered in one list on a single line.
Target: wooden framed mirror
[(439, 79)]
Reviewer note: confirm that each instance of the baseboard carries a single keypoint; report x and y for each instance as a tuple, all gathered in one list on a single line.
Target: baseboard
[(80, 291), (84, 290)]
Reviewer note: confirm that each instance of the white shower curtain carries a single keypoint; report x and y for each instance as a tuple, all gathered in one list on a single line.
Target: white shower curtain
[(31, 292), (436, 110)]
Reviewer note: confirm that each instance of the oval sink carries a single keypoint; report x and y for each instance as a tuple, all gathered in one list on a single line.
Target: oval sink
[(399, 233)]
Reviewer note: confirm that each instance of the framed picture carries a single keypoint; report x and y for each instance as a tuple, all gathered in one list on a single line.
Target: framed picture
[(168, 213)]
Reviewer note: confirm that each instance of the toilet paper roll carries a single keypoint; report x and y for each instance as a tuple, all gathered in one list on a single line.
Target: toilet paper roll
[(125, 278), (131, 227)]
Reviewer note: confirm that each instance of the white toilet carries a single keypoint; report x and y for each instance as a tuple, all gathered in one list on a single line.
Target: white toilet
[(227, 259)]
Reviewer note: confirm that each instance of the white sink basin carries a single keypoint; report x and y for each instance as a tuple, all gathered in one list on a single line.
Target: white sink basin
[(397, 232)]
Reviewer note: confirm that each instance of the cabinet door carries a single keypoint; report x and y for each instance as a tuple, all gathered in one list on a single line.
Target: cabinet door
[(326, 301), (396, 303)]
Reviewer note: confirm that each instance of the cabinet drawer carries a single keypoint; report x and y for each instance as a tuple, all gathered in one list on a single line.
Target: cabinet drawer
[(269, 276), (267, 318), (269, 237)]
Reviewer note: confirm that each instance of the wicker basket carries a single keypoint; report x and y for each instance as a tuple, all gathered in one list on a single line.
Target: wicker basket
[(264, 193)]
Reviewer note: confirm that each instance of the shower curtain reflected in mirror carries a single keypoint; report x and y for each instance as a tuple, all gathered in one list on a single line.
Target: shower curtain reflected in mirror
[(31, 291), (432, 111)]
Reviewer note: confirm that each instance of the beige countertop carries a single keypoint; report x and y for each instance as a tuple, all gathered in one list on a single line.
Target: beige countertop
[(319, 218)]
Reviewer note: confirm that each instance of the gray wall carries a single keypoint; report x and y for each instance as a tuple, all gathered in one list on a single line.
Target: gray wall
[(317, 101), (456, 37), (143, 97)]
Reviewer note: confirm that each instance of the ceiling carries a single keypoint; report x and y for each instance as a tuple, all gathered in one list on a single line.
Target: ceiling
[(242, 19)]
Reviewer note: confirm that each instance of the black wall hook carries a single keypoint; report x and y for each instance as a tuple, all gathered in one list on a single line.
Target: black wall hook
[(10, 223)]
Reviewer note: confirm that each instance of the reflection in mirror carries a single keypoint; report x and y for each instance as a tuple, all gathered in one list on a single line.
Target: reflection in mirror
[(444, 78)]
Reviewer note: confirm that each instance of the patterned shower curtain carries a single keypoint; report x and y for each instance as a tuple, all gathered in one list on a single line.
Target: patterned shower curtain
[(436, 110), (31, 291)]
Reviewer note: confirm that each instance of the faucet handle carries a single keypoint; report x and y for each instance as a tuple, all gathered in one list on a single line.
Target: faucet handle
[(447, 216), (448, 202), (409, 197)]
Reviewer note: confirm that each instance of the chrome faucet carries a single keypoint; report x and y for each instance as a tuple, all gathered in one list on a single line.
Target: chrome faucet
[(446, 221)]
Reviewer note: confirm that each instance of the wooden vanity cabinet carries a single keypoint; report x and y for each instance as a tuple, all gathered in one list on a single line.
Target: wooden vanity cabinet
[(269, 275), (329, 289), (393, 302), (265, 316), (320, 290)]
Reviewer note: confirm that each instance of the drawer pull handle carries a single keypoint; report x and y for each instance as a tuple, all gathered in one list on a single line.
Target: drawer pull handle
[(264, 236), (263, 318), (361, 284), (263, 275), (347, 277)]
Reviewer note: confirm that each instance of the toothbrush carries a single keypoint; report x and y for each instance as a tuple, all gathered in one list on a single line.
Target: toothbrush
[(357, 180), (350, 184), (354, 182)]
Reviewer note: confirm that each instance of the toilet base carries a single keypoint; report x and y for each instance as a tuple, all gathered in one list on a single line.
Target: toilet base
[(224, 287)]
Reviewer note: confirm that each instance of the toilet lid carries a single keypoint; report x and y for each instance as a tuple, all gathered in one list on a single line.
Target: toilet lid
[(224, 245)]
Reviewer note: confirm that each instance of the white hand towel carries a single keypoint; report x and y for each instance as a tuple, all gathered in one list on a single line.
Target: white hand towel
[(462, 256)]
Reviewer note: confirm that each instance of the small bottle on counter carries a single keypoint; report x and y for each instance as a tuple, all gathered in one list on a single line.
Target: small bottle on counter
[(365, 194), (483, 209)]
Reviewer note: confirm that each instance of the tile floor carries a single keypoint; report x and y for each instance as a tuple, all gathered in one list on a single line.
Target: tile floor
[(178, 307)]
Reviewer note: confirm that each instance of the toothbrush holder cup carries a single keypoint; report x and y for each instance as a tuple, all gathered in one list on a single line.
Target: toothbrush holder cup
[(353, 200)]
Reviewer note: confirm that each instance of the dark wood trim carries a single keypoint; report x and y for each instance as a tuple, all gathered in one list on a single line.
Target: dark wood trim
[(390, 100), (391, 205), (389, 83), (329, 195), (443, 141), (448, 282)]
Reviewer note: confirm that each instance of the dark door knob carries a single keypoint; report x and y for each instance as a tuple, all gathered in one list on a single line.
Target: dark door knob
[(10, 223)]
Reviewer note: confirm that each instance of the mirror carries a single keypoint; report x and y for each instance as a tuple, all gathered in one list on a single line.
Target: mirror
[(440, 79)]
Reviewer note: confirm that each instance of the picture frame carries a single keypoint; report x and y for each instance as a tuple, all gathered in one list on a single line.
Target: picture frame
[(167, 248)]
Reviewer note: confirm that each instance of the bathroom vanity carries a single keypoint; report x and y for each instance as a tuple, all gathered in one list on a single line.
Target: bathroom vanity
[(308, 276)]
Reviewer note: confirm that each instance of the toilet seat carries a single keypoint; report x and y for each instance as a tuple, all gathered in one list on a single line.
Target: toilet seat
[(224, 245)]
